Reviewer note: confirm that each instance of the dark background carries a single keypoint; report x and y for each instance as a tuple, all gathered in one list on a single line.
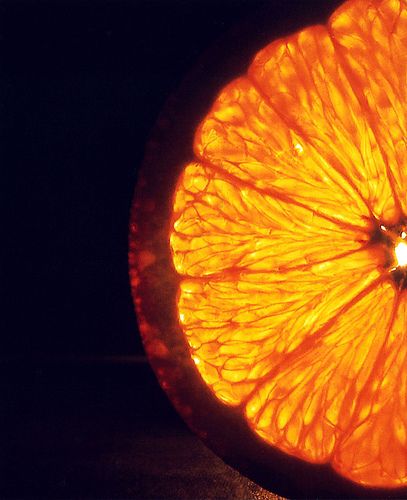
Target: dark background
[(82, 85)]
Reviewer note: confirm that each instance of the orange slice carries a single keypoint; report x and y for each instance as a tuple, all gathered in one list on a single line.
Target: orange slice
[(284, 232)]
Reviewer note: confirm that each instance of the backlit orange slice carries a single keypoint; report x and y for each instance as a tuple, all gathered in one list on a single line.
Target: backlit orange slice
[(292, 296)]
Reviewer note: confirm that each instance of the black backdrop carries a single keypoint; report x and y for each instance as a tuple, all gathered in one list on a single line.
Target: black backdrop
[(81, 86)]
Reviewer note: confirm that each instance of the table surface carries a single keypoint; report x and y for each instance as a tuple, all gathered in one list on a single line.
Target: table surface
[(102, 430)]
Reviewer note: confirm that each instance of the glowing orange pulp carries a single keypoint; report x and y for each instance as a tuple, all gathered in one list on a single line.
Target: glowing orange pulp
[(288, 232)]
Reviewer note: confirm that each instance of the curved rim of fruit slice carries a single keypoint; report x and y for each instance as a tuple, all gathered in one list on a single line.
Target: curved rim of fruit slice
[(154, 285)]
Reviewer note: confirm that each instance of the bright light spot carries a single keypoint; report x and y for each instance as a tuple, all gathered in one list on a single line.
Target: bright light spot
[(196, 360), (401, 253), (403, 234), (182, 317), (299, 148), (383, 228)]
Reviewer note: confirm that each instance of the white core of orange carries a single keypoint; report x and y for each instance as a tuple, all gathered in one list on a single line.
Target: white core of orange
[(401, 253)]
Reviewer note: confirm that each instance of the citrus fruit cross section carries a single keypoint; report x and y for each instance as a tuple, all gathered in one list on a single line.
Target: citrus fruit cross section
[(288, 233)]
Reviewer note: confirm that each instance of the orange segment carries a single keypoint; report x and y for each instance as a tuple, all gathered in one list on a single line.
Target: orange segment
[(245, 137), (303, 80), (239, 329), (378, 76), (224, 225), (374, 450), (310, 398)]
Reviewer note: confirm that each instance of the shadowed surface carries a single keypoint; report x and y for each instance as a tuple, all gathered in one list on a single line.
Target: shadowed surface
[(103, 430)]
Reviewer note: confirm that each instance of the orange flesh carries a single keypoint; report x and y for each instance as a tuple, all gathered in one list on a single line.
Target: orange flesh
[(293, 297)]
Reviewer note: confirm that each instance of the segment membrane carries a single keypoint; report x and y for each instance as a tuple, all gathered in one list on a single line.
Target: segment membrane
[(374, 448), (303, 79), (241, 328), (222, 225), (309, 400), (372, 41), (246, 137)]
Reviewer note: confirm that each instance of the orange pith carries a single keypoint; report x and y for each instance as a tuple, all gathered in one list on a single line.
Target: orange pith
[(284, 233)]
